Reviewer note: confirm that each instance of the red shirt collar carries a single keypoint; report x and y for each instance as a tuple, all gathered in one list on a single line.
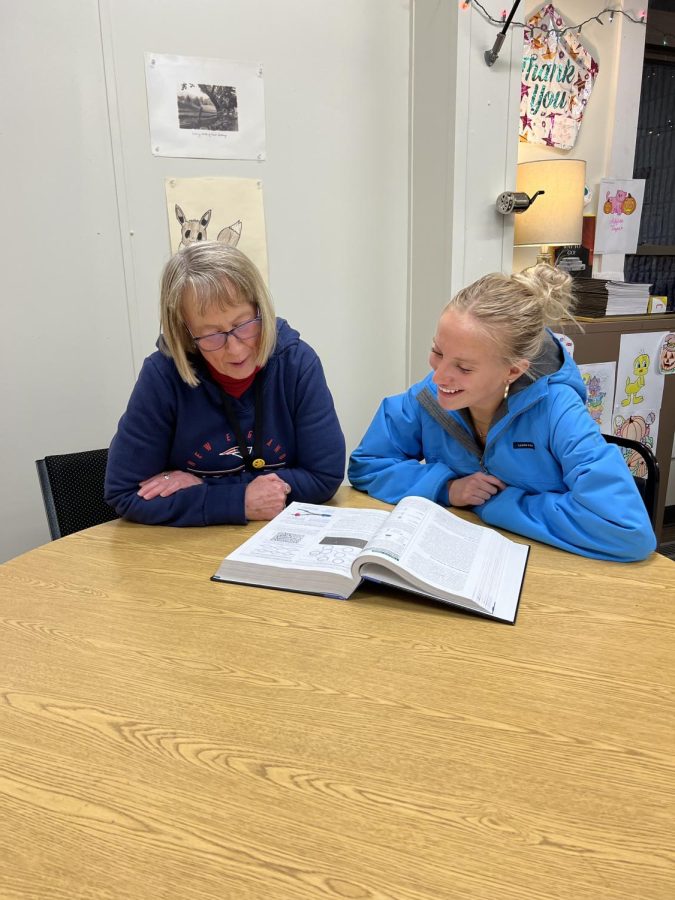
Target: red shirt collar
[(235, 387)]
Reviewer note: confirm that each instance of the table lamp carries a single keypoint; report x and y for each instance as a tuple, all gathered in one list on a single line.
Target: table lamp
[(557, 216)]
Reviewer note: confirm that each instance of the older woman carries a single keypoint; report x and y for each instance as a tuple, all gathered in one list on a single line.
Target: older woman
[(232, 415), (500, 425)]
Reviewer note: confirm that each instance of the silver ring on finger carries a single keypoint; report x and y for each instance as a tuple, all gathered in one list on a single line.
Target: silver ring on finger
[(166, 476)]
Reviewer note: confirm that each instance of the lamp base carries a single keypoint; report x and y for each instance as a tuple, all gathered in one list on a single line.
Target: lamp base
[(545, 255)]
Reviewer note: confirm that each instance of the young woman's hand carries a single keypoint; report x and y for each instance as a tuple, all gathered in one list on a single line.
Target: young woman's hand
[(167, 483), (473, 490)]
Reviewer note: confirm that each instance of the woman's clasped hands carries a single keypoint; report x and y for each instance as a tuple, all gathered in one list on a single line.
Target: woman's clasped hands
[(474, 490)]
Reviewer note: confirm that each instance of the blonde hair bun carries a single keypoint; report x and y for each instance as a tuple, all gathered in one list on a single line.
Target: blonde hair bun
[(553, 287), (516, 309)]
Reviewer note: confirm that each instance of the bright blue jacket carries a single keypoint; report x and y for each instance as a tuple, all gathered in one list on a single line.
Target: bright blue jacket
[(170, 425), (565, 485)]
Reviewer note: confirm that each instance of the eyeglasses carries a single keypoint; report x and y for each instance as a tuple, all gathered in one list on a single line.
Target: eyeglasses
[(216, 341)]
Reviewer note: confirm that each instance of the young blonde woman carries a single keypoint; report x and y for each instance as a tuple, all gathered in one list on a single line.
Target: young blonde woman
[(231, 417), (500, 425)]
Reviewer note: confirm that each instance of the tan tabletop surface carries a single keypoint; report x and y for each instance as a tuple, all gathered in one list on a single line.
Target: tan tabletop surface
[(162, 735)]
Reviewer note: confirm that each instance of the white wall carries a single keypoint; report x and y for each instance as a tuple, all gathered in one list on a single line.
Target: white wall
[(464, 145), (433, 93), (83, 290), (65, 353), (335, 178)]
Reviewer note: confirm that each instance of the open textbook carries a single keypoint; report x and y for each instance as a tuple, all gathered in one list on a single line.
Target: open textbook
[(419, 546)]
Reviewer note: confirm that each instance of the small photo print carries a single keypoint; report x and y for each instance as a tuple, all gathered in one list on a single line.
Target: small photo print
[(203, 108), (209, 107)]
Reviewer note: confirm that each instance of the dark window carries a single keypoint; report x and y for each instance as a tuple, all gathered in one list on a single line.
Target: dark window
[(654, 261)]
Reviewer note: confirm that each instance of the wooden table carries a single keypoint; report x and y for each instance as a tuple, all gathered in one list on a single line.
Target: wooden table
[(164, 736)]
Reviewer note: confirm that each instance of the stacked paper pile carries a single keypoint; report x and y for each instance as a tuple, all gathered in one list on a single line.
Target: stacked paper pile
[(625, 298), (591, 296), (598, 297)]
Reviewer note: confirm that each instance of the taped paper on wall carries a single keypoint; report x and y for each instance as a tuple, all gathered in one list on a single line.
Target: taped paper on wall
[(205, 108), (599, 380), (639, 388), (229, 210), (619, 213)]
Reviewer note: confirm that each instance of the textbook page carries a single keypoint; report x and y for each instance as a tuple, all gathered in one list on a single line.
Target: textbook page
[(307, 547), (430, 548)]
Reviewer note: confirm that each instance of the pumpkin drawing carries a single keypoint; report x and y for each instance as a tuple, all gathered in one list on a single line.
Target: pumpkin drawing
[(607, 207), (629, 205)]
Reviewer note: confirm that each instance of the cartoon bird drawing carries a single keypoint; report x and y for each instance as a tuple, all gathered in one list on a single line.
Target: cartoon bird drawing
[(633, 388)]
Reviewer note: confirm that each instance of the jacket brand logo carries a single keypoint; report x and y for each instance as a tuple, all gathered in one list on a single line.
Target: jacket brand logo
[(523, 445)]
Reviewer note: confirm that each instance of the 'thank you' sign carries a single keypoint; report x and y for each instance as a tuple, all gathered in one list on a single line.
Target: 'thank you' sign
[(557, 79)]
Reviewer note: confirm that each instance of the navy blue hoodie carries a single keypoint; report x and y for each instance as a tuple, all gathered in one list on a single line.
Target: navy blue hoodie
[(169, 425)]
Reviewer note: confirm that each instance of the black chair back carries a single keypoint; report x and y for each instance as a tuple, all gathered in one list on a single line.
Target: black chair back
[(72, 491), (647, 480)]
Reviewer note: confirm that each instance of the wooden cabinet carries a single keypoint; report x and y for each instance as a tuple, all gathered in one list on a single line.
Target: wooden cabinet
[(600, 342)]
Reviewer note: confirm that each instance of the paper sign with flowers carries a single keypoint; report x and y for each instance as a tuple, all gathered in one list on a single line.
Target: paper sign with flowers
[(557, 80)]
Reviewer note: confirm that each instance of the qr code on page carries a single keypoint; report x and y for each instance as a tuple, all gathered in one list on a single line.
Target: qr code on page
[(287, 537)]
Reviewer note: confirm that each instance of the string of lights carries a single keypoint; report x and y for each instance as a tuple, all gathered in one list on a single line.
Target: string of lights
[(641, 20)]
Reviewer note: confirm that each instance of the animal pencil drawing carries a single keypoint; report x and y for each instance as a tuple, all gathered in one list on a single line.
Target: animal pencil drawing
[(193, 230)]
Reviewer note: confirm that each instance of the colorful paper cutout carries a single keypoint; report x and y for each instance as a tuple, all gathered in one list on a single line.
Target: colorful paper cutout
[(558, 75)]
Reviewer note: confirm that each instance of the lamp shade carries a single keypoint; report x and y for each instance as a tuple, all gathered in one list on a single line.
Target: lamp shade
[(556, 217)]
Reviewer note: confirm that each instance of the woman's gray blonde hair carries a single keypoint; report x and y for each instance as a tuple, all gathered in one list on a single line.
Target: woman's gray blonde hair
[(210, 273), (514, 310)]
